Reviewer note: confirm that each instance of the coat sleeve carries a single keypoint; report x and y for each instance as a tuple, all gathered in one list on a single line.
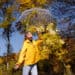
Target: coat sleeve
[(38, 42), (22, 54)]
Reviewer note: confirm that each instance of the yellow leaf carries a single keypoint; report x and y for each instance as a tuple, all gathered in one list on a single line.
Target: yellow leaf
[(41, 1), (61, 41), (1, 60), (23, 1), (9, 10), (4, 24)]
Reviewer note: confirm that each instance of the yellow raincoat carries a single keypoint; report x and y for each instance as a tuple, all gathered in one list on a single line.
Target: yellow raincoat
[(29, 54)]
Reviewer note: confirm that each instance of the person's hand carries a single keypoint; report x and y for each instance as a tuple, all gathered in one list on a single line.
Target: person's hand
[(16, 67)]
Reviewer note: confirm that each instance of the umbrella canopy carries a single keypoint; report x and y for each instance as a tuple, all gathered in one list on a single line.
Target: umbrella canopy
[(35, 16)]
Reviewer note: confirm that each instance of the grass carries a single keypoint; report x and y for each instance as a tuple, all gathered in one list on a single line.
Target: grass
[(8, 70)]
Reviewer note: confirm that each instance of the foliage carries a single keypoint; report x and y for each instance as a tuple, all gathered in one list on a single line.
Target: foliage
[(52, 43), (24, 4), (1, 60), (5, 24)]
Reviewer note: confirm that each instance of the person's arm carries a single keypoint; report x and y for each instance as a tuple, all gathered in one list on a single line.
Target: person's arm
[(40, 38), (21, 56)]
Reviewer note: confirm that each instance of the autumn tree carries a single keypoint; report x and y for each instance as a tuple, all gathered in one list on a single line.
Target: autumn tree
[(8, 7)]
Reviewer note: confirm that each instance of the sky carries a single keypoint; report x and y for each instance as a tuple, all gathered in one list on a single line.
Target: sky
[(16, 41)]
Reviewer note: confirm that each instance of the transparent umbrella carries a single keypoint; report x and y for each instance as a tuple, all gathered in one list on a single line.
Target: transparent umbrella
[(36, 16)]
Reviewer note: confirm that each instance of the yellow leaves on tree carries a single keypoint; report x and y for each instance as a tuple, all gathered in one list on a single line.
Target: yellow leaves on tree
[(40, 28), (4, 24), (26, 4), (23, 1), (51, 26), (29, 1), (9, 10), (41, 2), (61, 54), (1, 60), (44, 53), (32, 29)]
